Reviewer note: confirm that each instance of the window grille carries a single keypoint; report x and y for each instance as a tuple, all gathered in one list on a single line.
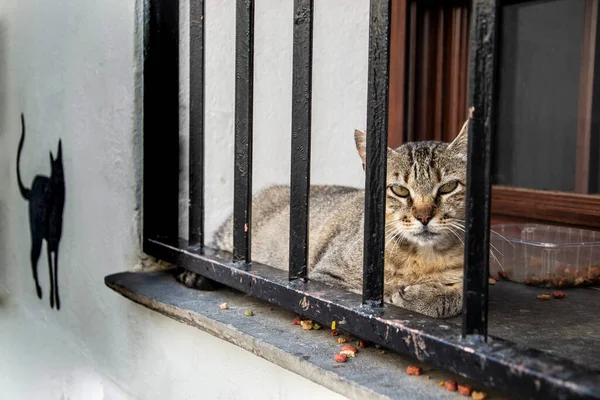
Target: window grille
[(467, 351)]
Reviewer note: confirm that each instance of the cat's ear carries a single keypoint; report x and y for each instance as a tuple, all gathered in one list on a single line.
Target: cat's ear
[(59, 153), (51, 158), (360, 138), (460, 144)]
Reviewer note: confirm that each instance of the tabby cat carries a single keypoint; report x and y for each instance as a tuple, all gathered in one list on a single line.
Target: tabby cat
[(424, 228)]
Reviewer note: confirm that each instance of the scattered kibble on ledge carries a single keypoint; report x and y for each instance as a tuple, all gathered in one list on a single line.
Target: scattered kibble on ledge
[(451, 385), (465, 389), (349, 350), (307, 324), (414, 370), (478, 395)]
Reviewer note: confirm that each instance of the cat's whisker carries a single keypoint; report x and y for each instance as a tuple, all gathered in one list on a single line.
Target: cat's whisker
[(491, 230), (490, 250), (495, 248), (491, 245), (505, 239)]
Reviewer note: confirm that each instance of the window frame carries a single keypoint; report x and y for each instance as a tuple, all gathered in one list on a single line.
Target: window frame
[(520, 204)]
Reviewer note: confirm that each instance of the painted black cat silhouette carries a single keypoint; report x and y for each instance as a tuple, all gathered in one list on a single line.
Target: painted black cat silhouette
[(46, 202)]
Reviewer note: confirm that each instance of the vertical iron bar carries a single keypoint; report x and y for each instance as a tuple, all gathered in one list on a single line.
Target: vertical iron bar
[(478, 197), (244, 75), (301, 130), (161, 122), (376, 163), (196, 130)]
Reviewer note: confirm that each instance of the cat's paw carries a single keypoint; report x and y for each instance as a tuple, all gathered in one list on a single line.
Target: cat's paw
[(432, 299), (196, 281)]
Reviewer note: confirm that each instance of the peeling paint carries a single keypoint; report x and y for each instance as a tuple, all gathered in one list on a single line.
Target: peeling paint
[(304, 303)]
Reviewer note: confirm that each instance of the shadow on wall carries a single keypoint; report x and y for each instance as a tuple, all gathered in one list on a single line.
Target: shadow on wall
[(46, 199)]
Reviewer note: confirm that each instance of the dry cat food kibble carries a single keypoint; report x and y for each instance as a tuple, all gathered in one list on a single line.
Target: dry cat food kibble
[(224, 306), (362, 344), (558, 295), (316, 326), (465, 389), (414, 370), (334, 333), (341, 340), (491, 281), (478, 395), (564, 276), (450, 385), (341, 358), (307, 324), (248, 313), (297, 320), (544, 296), (349, 350)]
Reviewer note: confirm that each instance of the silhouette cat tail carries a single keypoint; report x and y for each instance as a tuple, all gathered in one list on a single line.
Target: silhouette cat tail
[(22, 188)]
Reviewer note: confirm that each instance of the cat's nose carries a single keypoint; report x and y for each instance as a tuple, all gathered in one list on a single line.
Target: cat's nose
[(424, 218)]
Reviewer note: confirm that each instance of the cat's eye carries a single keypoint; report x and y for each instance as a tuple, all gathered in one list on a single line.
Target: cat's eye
[(400, 191), (448, 187)]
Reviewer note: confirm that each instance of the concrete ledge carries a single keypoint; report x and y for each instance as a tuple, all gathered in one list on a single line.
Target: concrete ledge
[(269, 334)]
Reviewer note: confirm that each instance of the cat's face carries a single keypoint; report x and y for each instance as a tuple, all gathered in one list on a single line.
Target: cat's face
[(425, 191)]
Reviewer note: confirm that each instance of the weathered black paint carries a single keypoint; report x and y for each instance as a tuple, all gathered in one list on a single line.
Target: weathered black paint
[(196, 130), (479, 172), (301, 131), (376, 165), (518, 371), (161, 121), (46, 199), (244, 79)]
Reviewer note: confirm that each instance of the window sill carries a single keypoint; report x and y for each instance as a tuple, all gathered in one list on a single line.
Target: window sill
[(270, 334)]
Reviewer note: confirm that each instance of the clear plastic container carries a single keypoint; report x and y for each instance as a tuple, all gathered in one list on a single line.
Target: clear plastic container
[(545, 255)]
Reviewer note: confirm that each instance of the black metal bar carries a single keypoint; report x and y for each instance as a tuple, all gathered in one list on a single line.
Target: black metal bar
[(161, 122), (196, 171), (479, 174), (301, 131), (376, 163), (516, 370), (244, 76)]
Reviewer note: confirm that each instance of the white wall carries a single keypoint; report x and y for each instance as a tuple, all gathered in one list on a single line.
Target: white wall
[(70, 66), (340, 54)]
